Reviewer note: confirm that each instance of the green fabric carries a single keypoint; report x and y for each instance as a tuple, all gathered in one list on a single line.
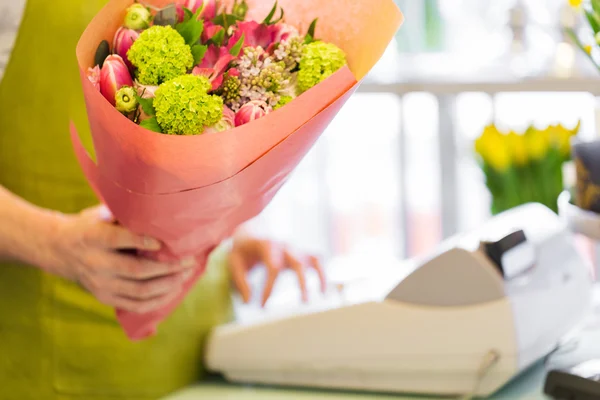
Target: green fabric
[(56, 340)]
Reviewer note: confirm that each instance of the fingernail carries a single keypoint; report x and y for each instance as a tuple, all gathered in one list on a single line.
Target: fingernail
[(151, 244), (188, 262)]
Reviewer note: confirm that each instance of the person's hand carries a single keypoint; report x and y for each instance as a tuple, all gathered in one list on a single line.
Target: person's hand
[(91, 249), (248, 252)]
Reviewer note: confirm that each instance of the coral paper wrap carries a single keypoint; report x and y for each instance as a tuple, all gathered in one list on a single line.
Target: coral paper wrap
[(191, 192)]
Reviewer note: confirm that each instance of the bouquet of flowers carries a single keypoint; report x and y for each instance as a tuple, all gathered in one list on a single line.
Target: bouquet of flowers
[(188, 71), (527, 167), (199, 110)]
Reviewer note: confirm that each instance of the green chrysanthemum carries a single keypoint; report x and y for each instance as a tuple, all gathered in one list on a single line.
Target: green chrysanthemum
[(283, 101), (183, 106), (160, 54), (319, 61)]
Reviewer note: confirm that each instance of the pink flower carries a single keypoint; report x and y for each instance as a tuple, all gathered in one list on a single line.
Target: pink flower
[(210, 30), (93, 74), (265, 36), (255, 34), (226, 123), (123, 40), (285, 32), (251, 111), (209, 11), (214, 64), (145, 91), (113, 76)]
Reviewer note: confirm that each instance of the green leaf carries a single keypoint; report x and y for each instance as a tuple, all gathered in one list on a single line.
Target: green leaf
[(269, 17), (226, 20), (578, 43), (596, 6), (151, 124), (188, 14), (278, 20), (593, 20), (313, 27), (218, 38), (147, 105), (310, 35), (235, 50), (198, 52), (192, 29)]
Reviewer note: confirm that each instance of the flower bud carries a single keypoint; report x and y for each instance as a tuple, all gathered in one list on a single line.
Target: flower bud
[(251, 111), (138, 17), (123, 40), (113, 76), (93, 74), (125, 100)]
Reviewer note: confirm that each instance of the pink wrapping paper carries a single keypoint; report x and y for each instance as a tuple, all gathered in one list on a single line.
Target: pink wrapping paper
[(191, 192)]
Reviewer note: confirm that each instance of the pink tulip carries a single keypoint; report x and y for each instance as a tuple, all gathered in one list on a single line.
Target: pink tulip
[(113, 76), (226, 123), (123, 40), (209, 11), (214, 64), (251, 111), (93, 75)]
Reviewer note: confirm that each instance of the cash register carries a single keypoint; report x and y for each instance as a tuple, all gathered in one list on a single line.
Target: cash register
[(477, 312)]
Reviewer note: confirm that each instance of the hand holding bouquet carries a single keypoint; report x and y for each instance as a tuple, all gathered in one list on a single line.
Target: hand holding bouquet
[(525, 167), (199, 110)]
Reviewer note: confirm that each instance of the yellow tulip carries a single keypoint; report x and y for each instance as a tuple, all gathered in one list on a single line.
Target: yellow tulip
[(492, 147), (561, 138), (517, 147), (538, 143)]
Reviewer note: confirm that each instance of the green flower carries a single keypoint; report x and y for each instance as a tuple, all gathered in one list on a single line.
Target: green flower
[(125, 101), (283, 101), (138, 17), (160, 54), (184, 107), (319, 61)]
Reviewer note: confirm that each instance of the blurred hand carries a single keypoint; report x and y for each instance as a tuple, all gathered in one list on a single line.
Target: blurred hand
[(91, 249), (248, 252)]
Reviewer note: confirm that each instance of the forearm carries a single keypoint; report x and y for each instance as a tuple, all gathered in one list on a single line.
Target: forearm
[(25, 230)]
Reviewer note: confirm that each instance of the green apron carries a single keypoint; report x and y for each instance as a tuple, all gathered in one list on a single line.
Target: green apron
[(56, 340)]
